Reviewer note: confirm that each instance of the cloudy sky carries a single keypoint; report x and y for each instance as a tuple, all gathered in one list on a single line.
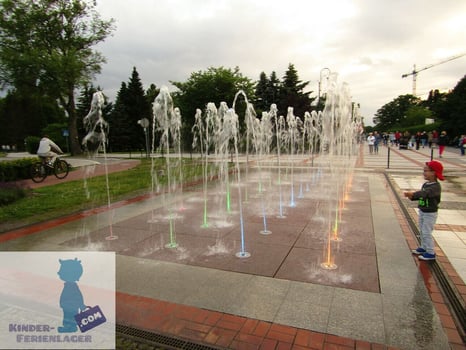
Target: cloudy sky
[(369, 43)]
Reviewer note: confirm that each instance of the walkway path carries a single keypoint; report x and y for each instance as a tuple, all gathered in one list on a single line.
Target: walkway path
[(81, 167)]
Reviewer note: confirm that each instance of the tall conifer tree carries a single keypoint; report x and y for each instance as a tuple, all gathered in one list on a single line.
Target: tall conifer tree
[(131, 106)]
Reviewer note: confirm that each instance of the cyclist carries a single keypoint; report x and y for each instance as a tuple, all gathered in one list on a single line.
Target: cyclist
[(47, 149)]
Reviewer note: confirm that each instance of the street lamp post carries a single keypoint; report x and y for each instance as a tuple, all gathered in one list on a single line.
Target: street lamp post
[(144, 122), (320, 82)]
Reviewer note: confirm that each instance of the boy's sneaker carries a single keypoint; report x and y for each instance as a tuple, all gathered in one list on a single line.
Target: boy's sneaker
[(427, 257), (418, 251)]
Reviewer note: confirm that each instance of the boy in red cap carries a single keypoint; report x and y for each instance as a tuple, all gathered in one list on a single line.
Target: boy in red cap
[(428, 200)]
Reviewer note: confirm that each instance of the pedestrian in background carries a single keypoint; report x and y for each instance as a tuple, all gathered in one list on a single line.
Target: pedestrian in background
[(462, 144), (430, 138), (417, 140), (397, 137), (435, 137), (424, 138), (377, 141), (442, 143), (370, 142)]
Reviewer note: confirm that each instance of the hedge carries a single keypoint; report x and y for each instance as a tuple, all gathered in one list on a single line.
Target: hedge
[(18, 169)]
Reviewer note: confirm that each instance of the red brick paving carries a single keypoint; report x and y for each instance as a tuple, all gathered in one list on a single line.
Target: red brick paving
[(219, 329)]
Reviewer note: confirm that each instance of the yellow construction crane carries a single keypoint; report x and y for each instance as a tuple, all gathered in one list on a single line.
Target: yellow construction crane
[(415, 72)]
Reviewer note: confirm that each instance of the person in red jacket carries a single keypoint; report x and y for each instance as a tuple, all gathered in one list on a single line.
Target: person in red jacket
[(434, 137), (397, 137), (442, 143)]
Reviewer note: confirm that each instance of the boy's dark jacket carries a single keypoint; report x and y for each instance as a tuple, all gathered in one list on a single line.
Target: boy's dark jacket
[(428, 197)]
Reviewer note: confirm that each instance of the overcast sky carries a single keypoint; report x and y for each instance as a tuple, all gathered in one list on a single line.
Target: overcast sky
[(369, 43)]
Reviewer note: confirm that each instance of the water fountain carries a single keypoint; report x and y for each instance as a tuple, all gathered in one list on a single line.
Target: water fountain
[(249, 117), (315, 151), (216, 130), (292, 123), (231, 124), (96, 139), (327, 132), (266, 128), (200, 132), (176, 130), (337, 135), (279, 130), (222, 149), (166, 122)]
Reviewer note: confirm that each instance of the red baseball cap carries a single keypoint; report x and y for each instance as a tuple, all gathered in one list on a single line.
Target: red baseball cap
[(437, 167)]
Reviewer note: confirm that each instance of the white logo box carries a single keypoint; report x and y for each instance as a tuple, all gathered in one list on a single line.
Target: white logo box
[(30, 291)]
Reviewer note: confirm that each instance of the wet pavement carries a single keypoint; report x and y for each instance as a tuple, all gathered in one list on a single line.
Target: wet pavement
[(291, 248), (378, 294)]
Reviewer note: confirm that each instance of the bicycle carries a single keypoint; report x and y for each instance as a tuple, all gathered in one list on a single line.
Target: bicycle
[(40, 170)]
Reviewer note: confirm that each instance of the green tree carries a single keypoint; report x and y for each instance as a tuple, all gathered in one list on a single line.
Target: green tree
[(46, 46), (131, 105), (119, 121), (55, 132), (262, 98), (26, 115), (393, 114), (437, 103), (273, 91), (416, 115), (454, 117), (151, 94), (267, 92), (214, 85), (292, 93)]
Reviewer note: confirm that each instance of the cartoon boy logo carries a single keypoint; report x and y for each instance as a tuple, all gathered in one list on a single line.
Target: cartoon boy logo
[(71, 299)]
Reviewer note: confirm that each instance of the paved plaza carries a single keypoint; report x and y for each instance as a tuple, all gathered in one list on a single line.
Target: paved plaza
[(272, 273)]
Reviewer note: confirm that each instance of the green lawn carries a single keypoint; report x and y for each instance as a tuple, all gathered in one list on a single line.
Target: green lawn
[(50, 202)]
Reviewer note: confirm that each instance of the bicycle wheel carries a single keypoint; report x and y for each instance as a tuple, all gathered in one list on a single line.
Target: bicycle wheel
[(38, 172), (61, 168)]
